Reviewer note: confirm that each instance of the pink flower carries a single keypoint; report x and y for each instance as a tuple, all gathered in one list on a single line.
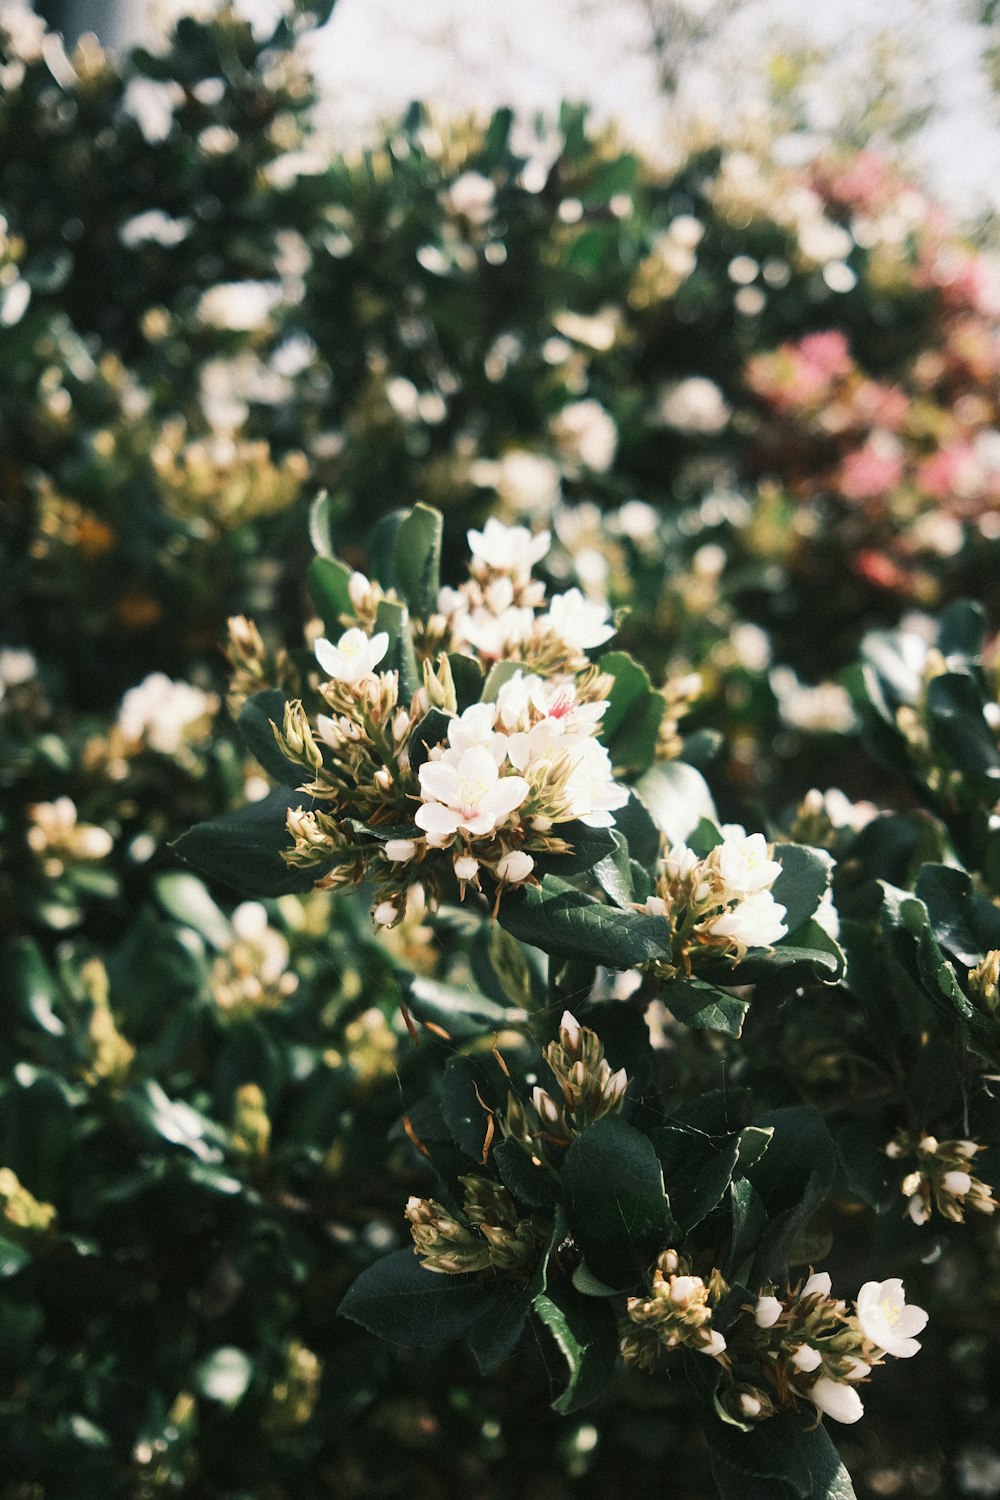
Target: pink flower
[(867, 473)]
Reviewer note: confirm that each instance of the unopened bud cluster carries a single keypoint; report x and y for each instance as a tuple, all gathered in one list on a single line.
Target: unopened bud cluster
[(253, 973), (252, 667), (493, 789), (60, 842), (589, 1086), (22, 1216), (984, 982), (718, 906), (808, 1346), (495, 1236), (676, 1313), (941, 1180)]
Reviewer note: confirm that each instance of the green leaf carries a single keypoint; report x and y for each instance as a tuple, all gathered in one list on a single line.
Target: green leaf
[(494, 1336), (257, 717), (802, 884), (702, 1005), (535, 1186), (328, 582), (615, 1203), (590, 847), (584, 1332), (397, 1299), (613, 873), (224, 1375), (635, 823), (630, 683), (462, 1013), (13, 1257), (958, 727), (321, 527), (395, 621), (776, 1460), (500, 673), (468, 679), (565, 923), (950, 899), (241, 848), (186, 899), (698, 1169), (27, 980), (418, 559), (678, 798), (962, 630), (467, 1092), (432, 729)]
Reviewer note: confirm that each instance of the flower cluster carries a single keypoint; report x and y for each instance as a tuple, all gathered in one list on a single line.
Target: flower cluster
[(59, 840), (494, 1237), (941, 1179), (253, 973), (676, 1313), (590, 1090), (483, 791), (807, 1346), (718, 906)]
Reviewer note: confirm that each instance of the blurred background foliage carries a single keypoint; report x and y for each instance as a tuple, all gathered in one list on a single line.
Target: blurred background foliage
[(757, 402)]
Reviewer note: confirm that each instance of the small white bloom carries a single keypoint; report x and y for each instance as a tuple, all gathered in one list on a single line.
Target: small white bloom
[(767, 1312), (466, 792), (888, 1320), (758, 921), (465, 867), (515, 867), (508, 549), (716, 1345), (385, 913), (694, 405), (471, 196), (400, 851), (162, 714), (579, 622), (744, 863), (586, 435), (806, 1359), (684, 1288), (354, 657), (833, 1399)]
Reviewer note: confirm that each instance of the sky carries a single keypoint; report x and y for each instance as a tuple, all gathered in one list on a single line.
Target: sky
[(375, 56)]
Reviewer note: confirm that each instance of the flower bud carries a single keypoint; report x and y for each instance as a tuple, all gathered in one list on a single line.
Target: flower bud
[(385, 914), (767, 1312), (515, 867), (806, 1359), (465, 867), (399, 851), (957, 1183)]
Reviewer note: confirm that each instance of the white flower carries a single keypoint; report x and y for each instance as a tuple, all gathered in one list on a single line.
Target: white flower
[(399, 851), (466, 792), (508, 549), (833, 1399), (592, 792), (716, 1345), (526, 482), (354, 657), (806, 1359), (744, 863), (586, 435), (826, 916), (465, 867), (161, 713), (515, 867), (492, 634), (684, 1288), (17, 666), (694, 405), (239, 306), (758, 921), (577, 621), (472, 196), (888, 1320), (475, 727), (767, 1312), (385, 913), (819, 1284), (823, 709), (957, 1183)]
